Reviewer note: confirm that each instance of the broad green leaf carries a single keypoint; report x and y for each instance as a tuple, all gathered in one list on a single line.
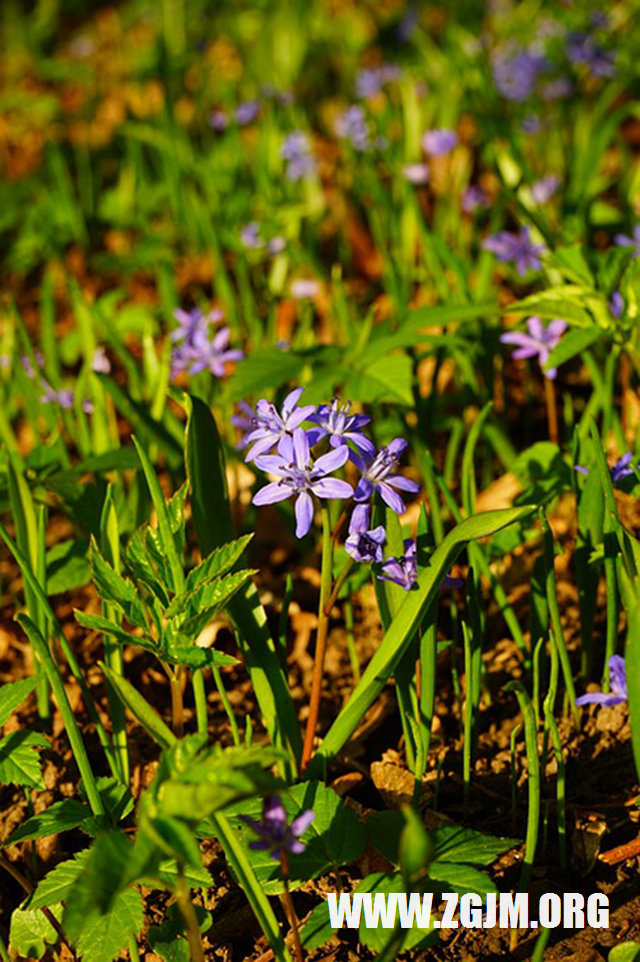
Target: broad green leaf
[(67, 566), (455, 843), (57, 884), (101, 938), (263, 370), (334, 838), (31, 932), (13, 694), (218, 563), (19, 763), (59, 817), (317, 930), (566, 302), (406, 622), (387, 378), (453, 877), (174, 838), (625, 952)]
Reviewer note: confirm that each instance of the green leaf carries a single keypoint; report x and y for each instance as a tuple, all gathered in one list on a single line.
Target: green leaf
[(566, 302), (58, 884), (405, 624), (164, 523), (335, 837), (59, 817), (212, 595), (107, 627), (192, 655), (625, 952), (168, 940), (460, 878), (218, 563), (115, 589), (267, 369), (454, 843), (571, 344), (13, 694), (174, 838), (632, 663), (67, 567), (101, 938), (140, 708), (317, 930), (31, 931), (19, 763), (388, 378), (143, 423)]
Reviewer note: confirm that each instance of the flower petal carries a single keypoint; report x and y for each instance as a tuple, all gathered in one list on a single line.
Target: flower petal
[(271, 493), (304, 513)]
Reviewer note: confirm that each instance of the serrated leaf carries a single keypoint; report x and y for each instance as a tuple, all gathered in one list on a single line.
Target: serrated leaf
[(59, 817), (19, 763), (98, 623), (454, 843), (218, 563), (101, 938), (115, 589), (31, 931), (194, 657), (57, 884), (13, 694), (212, 595), (460, 878)]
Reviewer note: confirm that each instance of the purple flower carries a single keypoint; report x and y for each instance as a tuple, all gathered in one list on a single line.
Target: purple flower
[(250, 236), (436, 143), (473, 198), (301, 478), (296, 150), (100, 363), (539, 342), (616, 304), (214, 354), (618, 680), (274, 835), (303, 288), (270, 427), (27, 364), (336, 422), (351, 125), (583, 49), (377, 475), (246, 112), (544, 189), (416, 173), (515, 74), (192, 324), (371, 80), (556, 89), (515, 247), (276, 245), (623, 240), (364, 543), (219, 120), (402, 571), (62, 397), (618, 470)]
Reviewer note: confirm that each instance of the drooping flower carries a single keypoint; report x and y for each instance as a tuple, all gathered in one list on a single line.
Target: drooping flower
[(296, 150), (518, 248), (623, 240), (377, 475), (270, 427), (300, 477), (437, 143), (340, 426), (539, 342), (364, 543), (402, 571), (274, 834), (618, 682)]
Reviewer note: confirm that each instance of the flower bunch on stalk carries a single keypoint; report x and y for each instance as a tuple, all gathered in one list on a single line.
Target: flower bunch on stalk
[(303, 446)]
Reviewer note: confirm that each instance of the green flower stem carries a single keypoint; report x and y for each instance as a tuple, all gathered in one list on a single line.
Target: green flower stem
[(183, 898), (177, 702), (533, 773), (321, 638), (200, 698), (73, 732)]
